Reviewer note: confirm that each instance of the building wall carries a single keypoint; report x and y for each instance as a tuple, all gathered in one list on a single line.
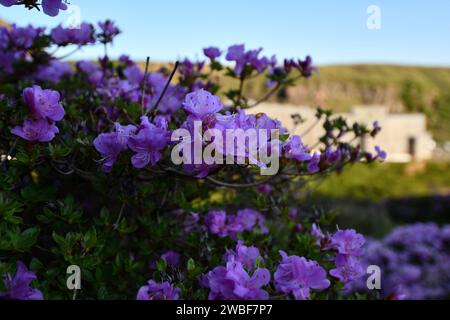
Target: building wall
[(400, 134)]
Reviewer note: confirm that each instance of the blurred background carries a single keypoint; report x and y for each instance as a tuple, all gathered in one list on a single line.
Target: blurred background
[(378, 60)]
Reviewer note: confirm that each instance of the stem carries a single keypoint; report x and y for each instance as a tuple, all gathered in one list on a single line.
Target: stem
[(164, 90), (304, 133), (69, 54), (144, 85)]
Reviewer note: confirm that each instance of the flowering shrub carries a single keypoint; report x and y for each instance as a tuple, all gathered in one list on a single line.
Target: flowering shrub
[(88, 178), (414, 259)]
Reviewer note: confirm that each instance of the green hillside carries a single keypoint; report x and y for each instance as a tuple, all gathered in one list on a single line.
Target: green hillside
[(400, 88)]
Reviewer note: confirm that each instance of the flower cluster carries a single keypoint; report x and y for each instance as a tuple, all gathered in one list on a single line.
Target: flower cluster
[(218, 222), (415, 261), (234, 282), (44, 110), (348, 247), (298, 275)]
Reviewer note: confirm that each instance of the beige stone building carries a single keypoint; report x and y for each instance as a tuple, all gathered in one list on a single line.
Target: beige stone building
[(404, 136)]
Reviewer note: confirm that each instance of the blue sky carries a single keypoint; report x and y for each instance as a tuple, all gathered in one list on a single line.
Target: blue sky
[(412, 32)]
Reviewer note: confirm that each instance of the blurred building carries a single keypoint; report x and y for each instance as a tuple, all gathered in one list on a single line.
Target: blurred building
[(403, 136)]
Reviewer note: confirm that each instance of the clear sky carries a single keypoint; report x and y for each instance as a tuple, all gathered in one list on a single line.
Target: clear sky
[(332, 31)]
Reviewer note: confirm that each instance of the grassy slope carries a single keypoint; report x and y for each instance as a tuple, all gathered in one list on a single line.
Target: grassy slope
[(400, 88)]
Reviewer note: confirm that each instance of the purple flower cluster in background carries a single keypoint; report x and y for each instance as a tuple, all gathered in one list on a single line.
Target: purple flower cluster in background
[(44, 110), (218, 222), (415, 262)]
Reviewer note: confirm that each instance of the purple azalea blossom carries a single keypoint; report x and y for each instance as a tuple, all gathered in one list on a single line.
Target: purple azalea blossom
[(18, 287), (348, 242), (80, 36), (147, 144), (264, 188), (307, 67), (382, 155), (293, 213), (330, 157), (246, 255), (201, 104), (212, 52), (24, 37), (348, 268), (171, 257), (110, 145), (8, 3), (316, 231), (52, 7), (234, 283), (297, 275), (216, 222), (53, 72), (44, 103), (238, 54), (109, 31), (158, 291), (229, 226), (39, 130), (313, 165), (295, 149)]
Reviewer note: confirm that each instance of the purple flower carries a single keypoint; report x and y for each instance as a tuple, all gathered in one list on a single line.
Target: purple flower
[(109, 31), (24, 37), (202, 103), (348, 242), (246, 255), (330, 157), (171, 257), (81, 36), (39, 130), (191, 222), (8, 3), (295, 149), (110, 145), (148, 144), (216, 222), (237, 53), (348, 268), (53, 72), (297, 275), (244, 220), (313, 165), (234, 283), (292, 213), (382, 155), (44, 103), (52, 7), (306, 67), (212, 52), (158, 291), (18, 287), (317, 232), (264, 188)]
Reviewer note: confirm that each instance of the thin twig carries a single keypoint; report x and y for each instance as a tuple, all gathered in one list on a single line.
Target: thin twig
[(116, 224), (155, 107), (144, 85)]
